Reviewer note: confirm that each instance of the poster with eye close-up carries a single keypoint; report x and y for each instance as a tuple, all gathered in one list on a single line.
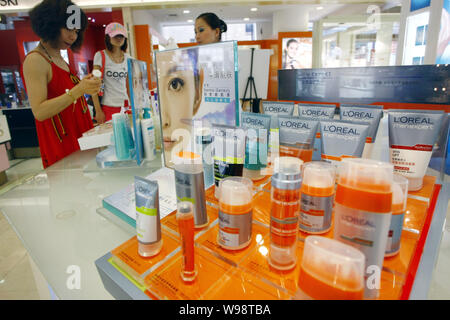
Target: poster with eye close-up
[(195, 85)]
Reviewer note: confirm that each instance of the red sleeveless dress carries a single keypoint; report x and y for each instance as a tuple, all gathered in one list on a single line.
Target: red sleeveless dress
[(58, 136)]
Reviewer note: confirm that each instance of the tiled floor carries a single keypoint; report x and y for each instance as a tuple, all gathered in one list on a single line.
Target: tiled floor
[(17, 276)]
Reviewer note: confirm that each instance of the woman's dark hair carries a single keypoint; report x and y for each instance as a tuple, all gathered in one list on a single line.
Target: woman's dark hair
[(50, 16), (290, 41), (214, 22), (109, 46)]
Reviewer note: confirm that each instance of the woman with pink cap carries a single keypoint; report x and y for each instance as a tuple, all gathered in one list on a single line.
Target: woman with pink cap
[(112, 62)]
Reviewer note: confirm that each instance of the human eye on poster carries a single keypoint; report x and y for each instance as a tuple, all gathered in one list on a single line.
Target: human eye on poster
[(195, 83), (297, 53)]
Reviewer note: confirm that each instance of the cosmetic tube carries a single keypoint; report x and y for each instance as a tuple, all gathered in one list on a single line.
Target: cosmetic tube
[(285, 208), (185, 219), (412, 135), (317, 197), (190, 186), (342, 139), (297, 137), (235, 213), (257, 128), (399, 198), (363, 207), (148, 224), (203, 147), (274, 109), (370, 114), (330, 270), (316, 112), (229, 153)]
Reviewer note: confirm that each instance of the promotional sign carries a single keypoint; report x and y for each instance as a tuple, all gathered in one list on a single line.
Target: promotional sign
[(196, 83), (366, 85)]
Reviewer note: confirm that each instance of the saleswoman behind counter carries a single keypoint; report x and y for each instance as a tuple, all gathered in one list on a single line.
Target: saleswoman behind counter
[(209, 28)]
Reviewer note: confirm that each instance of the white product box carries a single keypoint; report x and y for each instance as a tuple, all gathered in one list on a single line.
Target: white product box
[(99, 136)]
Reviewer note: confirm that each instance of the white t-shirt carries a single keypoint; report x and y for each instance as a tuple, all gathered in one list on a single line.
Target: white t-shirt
[(114, 80)]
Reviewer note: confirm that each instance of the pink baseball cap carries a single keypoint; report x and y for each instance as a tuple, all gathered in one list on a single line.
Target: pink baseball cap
[(113, 29)]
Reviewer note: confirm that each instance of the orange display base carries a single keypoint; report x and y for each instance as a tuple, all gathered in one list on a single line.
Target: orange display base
[(246, 273)]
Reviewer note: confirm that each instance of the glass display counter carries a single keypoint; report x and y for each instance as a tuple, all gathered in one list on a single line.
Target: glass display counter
[(54, 214)]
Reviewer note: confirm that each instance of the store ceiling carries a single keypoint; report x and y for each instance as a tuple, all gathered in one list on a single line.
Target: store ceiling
[(233, 12)]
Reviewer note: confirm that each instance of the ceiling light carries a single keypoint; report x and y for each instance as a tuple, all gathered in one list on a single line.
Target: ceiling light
[(190, 21), (254, 9), (246, 19), (104, 26), (89, 18), (186, 11), (319, 8)]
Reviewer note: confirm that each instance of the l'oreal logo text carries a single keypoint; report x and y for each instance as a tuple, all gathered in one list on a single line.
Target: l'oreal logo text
[(358, 221), (294, 124), (314, 113), (276, 109), (412, 120), (254, 122), (357, 114), (341, 130)]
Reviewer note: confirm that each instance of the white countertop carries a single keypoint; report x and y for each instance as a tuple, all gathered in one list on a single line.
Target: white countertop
[(55, 215)]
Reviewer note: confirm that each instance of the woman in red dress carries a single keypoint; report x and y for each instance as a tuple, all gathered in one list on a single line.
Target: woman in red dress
[(56, 94)]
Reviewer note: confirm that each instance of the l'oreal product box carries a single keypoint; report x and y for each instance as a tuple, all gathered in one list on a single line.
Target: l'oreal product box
[(99, 136)]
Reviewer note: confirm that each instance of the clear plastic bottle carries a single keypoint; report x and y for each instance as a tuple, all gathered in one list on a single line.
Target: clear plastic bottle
[(235, 213), (189, 184), (330, 270), (317, 197), (284, 213), (399, 198), (363, 207)]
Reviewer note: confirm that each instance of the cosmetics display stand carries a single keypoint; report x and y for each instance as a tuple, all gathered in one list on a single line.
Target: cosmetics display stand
[(246, 273)]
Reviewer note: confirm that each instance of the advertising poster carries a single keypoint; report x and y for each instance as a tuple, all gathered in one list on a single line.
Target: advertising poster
[(196, 83), (443, 49), (366, 85), (297, 53)]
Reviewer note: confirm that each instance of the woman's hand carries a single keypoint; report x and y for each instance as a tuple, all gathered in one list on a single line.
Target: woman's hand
[(90, 85), (100, 116)]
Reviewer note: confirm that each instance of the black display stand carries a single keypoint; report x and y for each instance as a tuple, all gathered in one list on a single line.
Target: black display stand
[(254, 103)]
